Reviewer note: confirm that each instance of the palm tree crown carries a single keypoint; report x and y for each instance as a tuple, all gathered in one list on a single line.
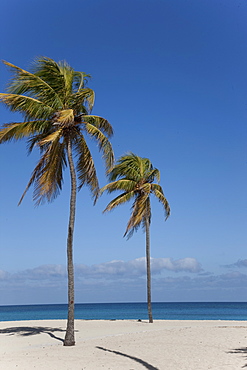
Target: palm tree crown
[(134, 176), (56, 105)]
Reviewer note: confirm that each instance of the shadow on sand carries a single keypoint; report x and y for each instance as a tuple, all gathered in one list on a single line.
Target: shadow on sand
[(242, 350), (143, 363), (26, 331)]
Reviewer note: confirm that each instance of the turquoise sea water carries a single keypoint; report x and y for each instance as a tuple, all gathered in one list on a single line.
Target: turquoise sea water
[(120, 311)]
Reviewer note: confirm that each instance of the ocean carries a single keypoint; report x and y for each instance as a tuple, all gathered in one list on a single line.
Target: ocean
[(134, 311)]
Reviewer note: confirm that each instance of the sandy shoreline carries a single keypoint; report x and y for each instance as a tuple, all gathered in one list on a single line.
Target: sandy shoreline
[(124, 345)]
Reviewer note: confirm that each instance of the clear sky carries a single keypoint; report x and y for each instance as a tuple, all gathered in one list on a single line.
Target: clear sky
[(171, 78)]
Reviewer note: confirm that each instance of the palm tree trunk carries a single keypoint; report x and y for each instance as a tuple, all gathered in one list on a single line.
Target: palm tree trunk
[(150, 315), (70, 332)]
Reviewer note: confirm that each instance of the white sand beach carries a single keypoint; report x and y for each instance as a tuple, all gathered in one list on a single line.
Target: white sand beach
[(124, 345)]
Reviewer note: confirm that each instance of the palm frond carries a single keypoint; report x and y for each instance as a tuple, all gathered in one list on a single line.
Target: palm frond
[(85, 167), (49, 176), (103, 143), (82, 101), (35, 173), (54, 136), (144, 190), (122, 198), (24, 82), (58, 75), (68, 76), (48, 70), (19, 130), (80, 80), (144, 165), (64, 117), (152, 175), (158, 192), (32, 108), (46, 128), (139, 213), (148, 215), (100, 123), (123, 184), (126, 166)]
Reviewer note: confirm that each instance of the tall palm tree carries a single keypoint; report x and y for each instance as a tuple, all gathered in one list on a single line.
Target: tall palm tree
[(56, 105), (134, 176)]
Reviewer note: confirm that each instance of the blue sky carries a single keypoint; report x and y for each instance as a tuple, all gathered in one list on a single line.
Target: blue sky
[(171, 78)]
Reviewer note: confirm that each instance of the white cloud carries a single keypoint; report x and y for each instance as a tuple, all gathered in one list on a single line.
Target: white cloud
[(42, 276), (44, 272), (123, 281), (137, 268), (185, 264), (239, 263), (49, 274), (3, 275), (231, 286), (224, 281)]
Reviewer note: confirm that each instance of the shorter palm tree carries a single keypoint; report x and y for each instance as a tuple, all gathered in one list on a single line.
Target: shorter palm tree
[(134, 176)]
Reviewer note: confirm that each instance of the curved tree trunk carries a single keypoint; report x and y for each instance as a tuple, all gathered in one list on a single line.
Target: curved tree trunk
[(70, 333), (150, 315)]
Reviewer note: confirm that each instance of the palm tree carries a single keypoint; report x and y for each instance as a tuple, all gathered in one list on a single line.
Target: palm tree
[(56, 105), (134, 176)]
